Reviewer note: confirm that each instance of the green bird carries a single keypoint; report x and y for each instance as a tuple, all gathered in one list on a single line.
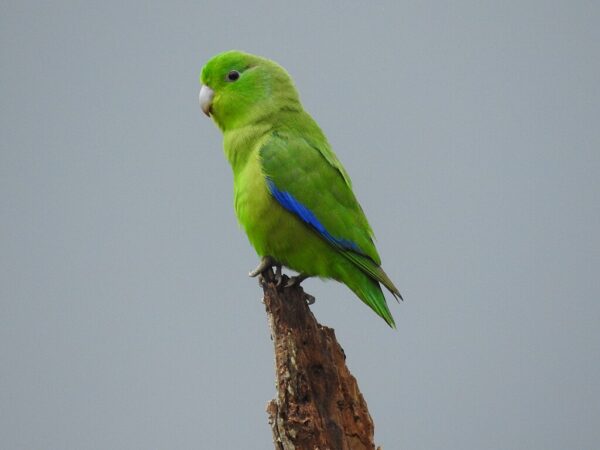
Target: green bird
[(292, 195)]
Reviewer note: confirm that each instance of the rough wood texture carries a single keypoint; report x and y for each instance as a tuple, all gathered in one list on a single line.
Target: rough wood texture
[(318, 404)]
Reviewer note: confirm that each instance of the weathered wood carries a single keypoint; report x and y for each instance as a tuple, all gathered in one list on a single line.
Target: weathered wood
[(318, 403)]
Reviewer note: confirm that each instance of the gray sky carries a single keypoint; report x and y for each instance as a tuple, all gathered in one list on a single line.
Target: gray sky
[(471, 134)]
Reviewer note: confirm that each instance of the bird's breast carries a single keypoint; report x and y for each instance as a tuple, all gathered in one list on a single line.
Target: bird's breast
[(255, 208)]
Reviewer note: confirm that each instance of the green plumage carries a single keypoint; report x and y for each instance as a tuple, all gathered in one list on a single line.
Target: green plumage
[(274, 147)]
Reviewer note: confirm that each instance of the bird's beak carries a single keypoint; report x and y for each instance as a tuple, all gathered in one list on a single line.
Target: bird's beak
[(206, 96)]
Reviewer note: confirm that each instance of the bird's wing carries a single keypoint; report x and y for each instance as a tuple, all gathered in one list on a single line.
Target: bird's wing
[(309, 181)]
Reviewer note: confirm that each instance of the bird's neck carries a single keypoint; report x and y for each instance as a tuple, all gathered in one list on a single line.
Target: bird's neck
[(240, 143)]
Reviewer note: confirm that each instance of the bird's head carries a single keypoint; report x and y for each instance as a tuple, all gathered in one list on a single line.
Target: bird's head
[(240, 89)]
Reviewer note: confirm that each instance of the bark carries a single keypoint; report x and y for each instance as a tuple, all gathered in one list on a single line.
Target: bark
[(318, 404)]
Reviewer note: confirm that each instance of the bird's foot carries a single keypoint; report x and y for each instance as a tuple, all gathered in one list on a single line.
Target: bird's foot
[(264, 271), (266, 262), (278, 276), (295, 281)]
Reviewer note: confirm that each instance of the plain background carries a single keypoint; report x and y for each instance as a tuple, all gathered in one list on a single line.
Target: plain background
[(471, 134)]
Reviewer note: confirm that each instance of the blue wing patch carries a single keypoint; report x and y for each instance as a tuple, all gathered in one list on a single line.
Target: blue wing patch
[(289, 202)]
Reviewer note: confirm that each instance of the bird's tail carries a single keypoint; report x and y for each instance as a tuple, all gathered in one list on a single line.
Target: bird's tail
[(369, 291), (369, 267)]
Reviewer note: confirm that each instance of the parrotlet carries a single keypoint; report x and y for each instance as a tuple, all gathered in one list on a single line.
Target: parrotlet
[(292, 196)]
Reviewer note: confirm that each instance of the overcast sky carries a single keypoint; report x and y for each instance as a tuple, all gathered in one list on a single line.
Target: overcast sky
[(472, 135)]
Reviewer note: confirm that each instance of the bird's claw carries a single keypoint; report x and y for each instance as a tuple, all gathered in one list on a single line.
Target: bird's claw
[(265, 264), (278, 276), (265, 274), (309, 299), (295, 281)]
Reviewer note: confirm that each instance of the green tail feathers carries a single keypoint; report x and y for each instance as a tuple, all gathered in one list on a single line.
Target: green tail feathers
[(364, 282), (369, 291), (367, 265)]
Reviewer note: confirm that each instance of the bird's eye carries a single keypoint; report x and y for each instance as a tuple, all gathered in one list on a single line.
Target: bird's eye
[(233, 75)]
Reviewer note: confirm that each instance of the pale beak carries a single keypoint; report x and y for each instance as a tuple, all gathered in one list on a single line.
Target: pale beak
[(206, 96)]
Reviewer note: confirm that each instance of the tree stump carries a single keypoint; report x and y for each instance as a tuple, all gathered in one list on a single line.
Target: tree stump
[(318, 405)]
